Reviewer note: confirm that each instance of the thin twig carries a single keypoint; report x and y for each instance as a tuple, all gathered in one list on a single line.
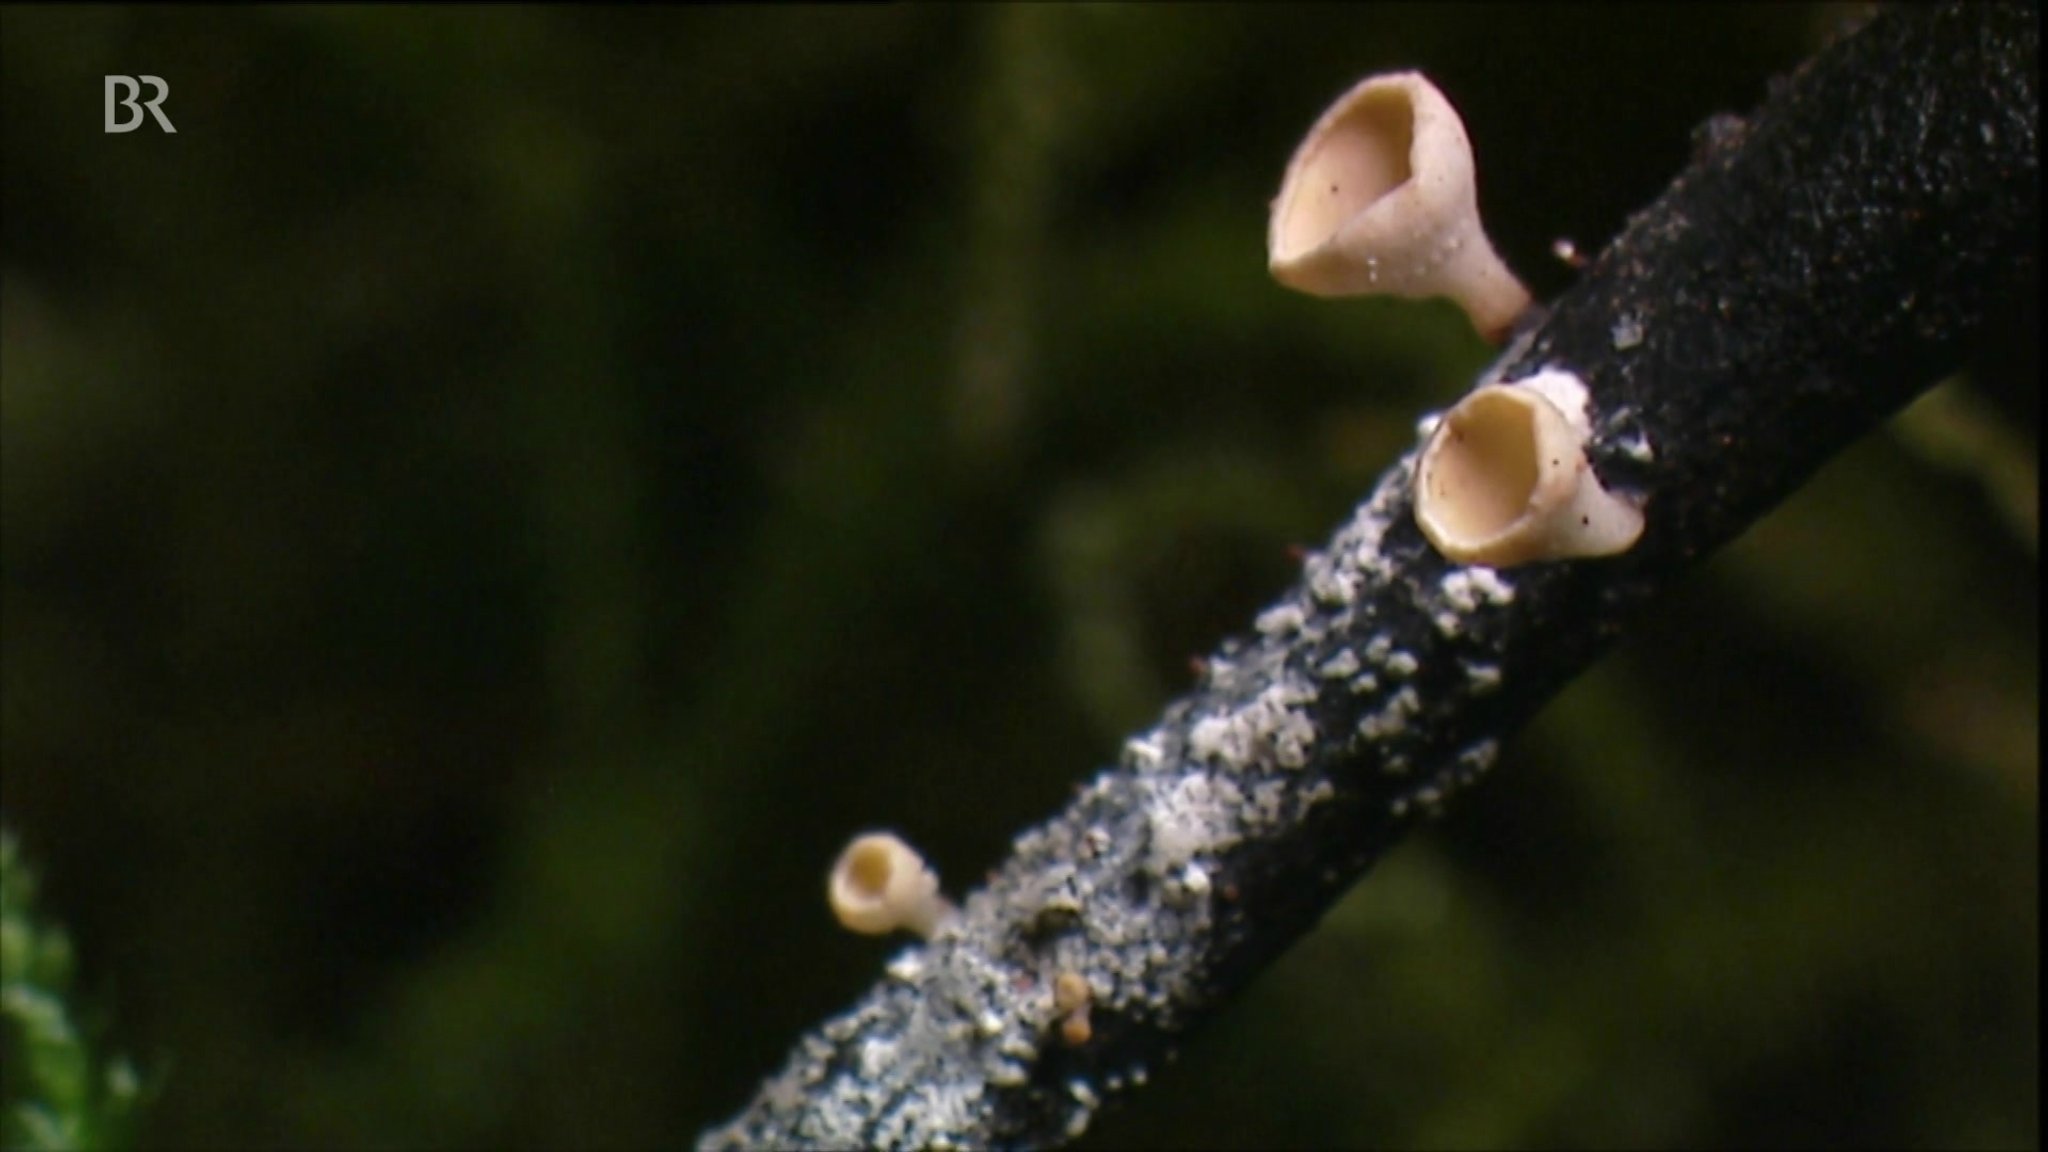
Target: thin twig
[(1815, 267)]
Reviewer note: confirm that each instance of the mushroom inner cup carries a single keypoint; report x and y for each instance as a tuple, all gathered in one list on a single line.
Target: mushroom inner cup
[(868, 871), (1485, 469), (1361, 156)]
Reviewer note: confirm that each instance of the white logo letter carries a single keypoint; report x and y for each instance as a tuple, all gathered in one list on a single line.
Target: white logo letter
[(116, 84), (163, 93)]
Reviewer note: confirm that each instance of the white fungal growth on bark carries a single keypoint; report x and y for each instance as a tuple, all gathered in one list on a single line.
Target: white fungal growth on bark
[(1627, 333), (1392, 717), (1271, 729), (1329, 583), (1142, 753), (1366, 551), (1465, 589), (1279, 620), (1195, 814), (1337, 667), (1428, 797)]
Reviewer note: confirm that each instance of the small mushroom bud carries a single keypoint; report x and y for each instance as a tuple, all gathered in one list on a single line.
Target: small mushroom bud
[(880, 884), (1504, 479), (1075, 1029), (1380, 198), (1070, 997), (1070, 991)]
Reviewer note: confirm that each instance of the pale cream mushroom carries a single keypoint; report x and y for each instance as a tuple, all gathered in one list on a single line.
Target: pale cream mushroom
[(1380, 198), (880, 884), (1070, 998), (1504, 479)]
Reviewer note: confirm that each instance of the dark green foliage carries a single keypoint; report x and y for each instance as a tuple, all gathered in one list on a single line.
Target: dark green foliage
[(60, 1092)]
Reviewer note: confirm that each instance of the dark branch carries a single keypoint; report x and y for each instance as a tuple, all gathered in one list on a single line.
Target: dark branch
[(1812, 270)]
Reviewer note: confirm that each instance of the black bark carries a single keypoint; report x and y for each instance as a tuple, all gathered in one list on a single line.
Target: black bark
[(1816, 266)]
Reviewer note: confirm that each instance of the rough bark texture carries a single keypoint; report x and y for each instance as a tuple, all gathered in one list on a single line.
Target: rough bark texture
[(1816, 266)]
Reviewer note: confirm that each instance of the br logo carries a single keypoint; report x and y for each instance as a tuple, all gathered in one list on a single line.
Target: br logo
[(121, 94)]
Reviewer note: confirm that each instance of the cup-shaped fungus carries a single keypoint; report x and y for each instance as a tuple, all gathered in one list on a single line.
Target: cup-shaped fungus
[(1380, 198), (1504, 480), (880, 884)]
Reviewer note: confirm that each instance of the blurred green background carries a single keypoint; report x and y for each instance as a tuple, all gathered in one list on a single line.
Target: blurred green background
[(494, 502)]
